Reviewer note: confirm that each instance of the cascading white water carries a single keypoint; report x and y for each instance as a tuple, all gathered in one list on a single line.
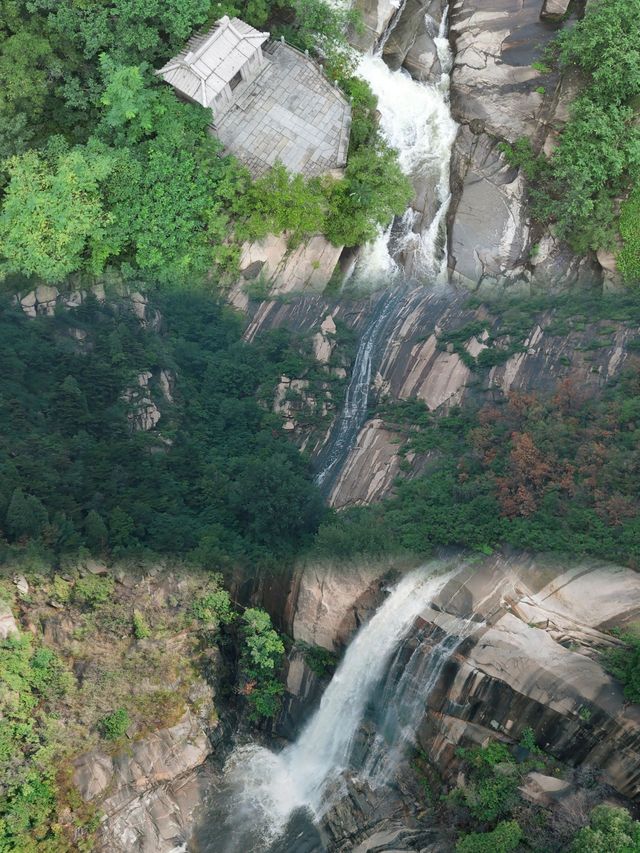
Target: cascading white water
[(264, 787), (357, 396), (415, 119)]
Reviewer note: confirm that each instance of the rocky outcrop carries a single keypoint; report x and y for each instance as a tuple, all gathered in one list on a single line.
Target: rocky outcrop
[(269, 265), (534, 662), (532, 631), (147, 795), (490, 230), (496, 96), (329, 601), (411, 42), (8, 626), (376, 16), (416, 363), (142, 414)]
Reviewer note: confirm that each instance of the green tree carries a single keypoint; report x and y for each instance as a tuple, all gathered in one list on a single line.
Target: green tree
[(624, 664), (610, 830), (69, 406), (280, 202), (503, 839), (121, 528), (373, 191), (26, 516), (261, 655), (53, 221), (113, 726), (28, 68), (96, 534)]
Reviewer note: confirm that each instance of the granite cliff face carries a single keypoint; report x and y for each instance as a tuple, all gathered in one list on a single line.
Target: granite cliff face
[(497, 96), (533, 629)]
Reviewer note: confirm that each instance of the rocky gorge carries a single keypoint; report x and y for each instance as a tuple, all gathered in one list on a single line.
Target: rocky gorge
[(481, 305)]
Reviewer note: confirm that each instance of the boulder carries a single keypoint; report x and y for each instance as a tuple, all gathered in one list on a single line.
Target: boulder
[(8, 626), (554, 10)]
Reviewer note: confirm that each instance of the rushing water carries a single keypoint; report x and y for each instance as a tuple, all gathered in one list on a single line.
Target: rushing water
[(415, 119), (355, 406), (263, 789)]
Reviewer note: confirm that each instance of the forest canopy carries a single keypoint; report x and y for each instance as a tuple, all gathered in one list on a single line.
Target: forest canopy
[(216, 480), (102, 166)]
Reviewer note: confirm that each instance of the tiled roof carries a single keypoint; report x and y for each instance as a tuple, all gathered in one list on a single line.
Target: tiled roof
[(210, 61)]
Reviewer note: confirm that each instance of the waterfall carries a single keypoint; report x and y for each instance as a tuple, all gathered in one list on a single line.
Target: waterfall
[(354, 411), (262, 789), (415, 119)]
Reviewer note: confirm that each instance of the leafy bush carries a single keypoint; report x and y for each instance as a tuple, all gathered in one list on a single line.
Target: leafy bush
[(610, 830), (503, 839), (90, 589), (629, 257), (31, 678), (141, 629), (62, 590), (624, 664), (114, 726), (261, 655), (598, 153), (213, 608)]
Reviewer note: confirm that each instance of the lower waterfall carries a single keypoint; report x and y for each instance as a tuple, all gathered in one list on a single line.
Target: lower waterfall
[(263, 789)]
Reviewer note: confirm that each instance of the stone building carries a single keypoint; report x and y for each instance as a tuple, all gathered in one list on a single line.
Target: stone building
[(269, 106), (214, 65)]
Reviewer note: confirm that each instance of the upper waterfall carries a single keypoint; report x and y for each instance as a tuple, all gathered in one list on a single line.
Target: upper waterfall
[(415, 119)]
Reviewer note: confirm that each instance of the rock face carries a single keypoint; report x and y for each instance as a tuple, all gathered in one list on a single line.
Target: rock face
[(411, 42), (8, 626), (414, 364), (532, 631), (148, 795), (534, 663), (497, 96), (270, 264), (330, 601)]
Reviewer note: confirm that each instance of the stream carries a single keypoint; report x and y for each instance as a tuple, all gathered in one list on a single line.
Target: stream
[(415, 119)]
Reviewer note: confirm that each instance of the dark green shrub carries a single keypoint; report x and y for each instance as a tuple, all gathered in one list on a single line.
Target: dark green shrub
[(114, 726)]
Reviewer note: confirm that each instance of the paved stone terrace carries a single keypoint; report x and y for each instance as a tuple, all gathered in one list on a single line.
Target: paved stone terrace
[(290, 112)]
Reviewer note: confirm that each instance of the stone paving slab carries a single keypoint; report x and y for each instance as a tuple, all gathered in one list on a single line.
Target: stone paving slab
[(292, 113)]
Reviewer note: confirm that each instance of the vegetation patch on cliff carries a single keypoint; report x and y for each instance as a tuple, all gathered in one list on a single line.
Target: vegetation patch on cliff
[(597, 158)]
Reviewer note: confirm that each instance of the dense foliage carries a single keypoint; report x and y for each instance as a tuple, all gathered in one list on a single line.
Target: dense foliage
[(103, 166), (624, 663), (610, 830), (32, 677), (262, 654), (219, 481), (597, 158)]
